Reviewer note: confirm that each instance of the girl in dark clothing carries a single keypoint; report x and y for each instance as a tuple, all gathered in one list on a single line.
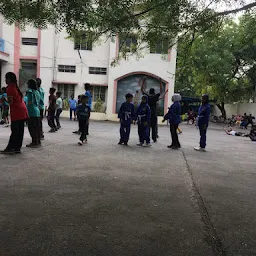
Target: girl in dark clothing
[(18, 112)]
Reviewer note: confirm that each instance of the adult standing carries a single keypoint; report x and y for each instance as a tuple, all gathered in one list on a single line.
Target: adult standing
[(18, 114), (203, 121), (41, 106), (173, 116), (153, 98)]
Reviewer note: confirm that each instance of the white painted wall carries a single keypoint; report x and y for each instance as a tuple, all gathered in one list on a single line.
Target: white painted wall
[(238, 108), (8, 36), (151, 63), (28, 50), (46, 60), (56, 50)]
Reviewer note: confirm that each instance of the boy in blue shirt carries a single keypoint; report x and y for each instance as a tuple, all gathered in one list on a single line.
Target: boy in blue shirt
[(203, 121), (83, 112), (72, 107), (34, 114), (143, 118), (126, 114)]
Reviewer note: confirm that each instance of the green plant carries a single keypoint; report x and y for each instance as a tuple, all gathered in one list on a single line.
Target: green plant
[(65, 104), (98, 105)]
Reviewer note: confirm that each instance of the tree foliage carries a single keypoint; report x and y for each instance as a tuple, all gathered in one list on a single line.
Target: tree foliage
[(150, 19), (221, 62)]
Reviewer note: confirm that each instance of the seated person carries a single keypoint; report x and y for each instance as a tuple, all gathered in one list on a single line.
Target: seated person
[(244, 121)]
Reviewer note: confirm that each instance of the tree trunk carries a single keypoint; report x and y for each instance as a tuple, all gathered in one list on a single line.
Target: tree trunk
[(222, 110)]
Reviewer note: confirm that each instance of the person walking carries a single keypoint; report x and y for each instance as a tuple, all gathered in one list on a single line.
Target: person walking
[(203, 121), (51, 110), (18, 113), (173, 116)]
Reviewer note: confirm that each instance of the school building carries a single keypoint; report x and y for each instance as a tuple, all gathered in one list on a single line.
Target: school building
[(68, 64)]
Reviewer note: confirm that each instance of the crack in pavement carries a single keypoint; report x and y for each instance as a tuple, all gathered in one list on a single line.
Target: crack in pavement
[(211, 235)]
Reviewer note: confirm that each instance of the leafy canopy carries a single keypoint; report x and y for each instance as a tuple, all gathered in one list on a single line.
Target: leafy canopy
[(221, 62), (151, 19)]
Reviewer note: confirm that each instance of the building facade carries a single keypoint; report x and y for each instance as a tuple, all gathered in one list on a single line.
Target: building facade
[(68, 64)]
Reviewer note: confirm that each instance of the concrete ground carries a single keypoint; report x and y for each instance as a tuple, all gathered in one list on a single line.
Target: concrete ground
[(110, 200)]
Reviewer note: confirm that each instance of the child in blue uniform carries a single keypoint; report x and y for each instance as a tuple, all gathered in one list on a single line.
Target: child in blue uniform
[(126, 114), (203, 121), (143, 118), (83, 114)]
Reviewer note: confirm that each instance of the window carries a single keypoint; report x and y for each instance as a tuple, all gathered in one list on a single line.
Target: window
[(67, 69), (160, 47), (67, 90), (97, 71), (129, 43), (83, 43), (28, 65), (29, 41), (99, 92)]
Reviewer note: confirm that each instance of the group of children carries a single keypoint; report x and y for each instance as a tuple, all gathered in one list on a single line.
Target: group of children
[(142, 116), (127, 114)]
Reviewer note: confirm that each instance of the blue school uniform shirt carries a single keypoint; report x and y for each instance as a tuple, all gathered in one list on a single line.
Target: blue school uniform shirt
[(143, 113), (72, 103), (25, 99), (126, 113), (4, 101), (83, 112), (204, 112), (33, 103), (173, 114), (41, 93), (88, 93)]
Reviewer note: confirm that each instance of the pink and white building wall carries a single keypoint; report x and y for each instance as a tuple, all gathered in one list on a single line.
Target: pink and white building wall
[(66, 65)]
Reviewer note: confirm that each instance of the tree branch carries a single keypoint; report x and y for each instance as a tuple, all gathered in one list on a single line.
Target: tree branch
[(244, 8)]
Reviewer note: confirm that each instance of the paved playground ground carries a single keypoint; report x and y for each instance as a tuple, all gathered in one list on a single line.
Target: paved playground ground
[(110, 200)]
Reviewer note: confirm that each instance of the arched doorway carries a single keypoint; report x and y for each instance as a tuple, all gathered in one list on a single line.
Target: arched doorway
[(132, 84)]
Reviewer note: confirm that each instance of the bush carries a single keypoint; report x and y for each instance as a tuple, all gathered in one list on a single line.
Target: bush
[(98, 106)]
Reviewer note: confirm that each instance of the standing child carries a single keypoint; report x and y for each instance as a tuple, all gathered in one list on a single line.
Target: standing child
[(59, 104), (203, 121), (126, 115), (51, 110), (34, 114), (41, 106), (72, 107), (83, 114), (5, 107), (143, 117)]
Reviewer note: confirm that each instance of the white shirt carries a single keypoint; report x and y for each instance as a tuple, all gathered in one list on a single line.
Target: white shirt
[(59, 103), (233, 133)]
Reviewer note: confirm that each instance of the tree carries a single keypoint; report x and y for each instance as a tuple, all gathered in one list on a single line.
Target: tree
[(150, 19), (220, 62)]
